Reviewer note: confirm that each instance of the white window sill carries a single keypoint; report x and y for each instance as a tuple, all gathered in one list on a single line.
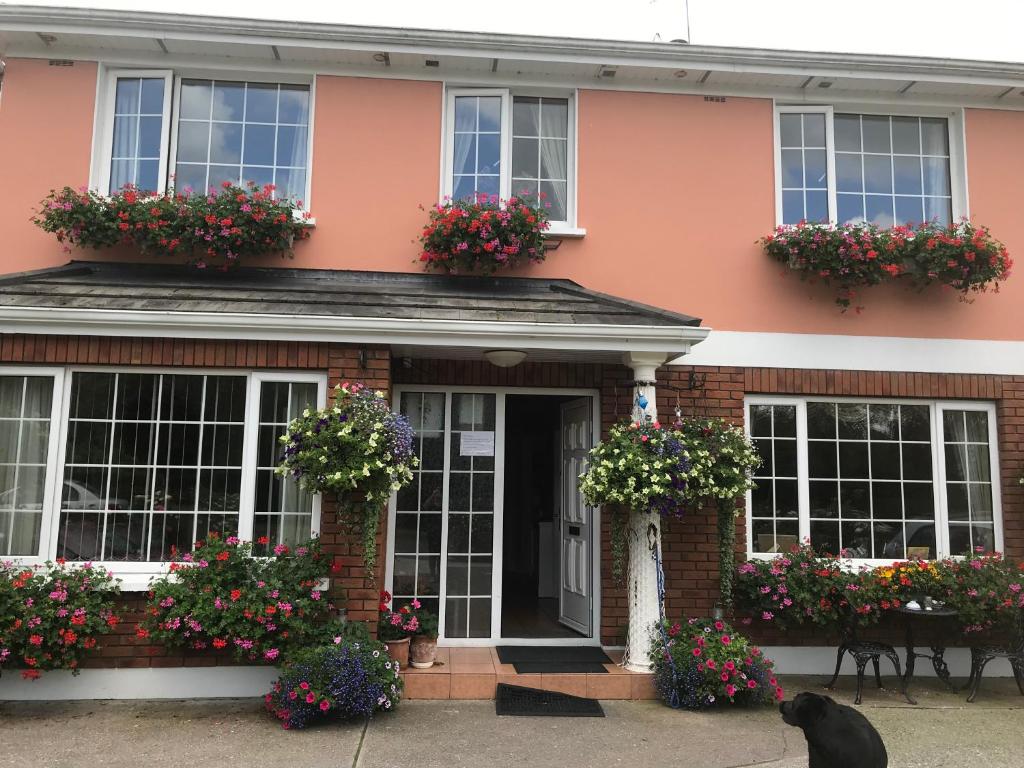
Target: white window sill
[(565, 232)]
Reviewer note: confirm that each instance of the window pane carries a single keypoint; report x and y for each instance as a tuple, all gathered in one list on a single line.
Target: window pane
[(138, 126), (804, 168), (790, 131), (899, 173), (525, 116), (231, 131), (139, 481)]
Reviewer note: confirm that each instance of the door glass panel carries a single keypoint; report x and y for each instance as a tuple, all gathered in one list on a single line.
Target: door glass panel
[(418, 517)]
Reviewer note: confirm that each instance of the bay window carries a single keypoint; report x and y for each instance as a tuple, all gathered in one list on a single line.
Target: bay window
[(850, 166), (874, 480), (504, 143), (130, 467), (156, 127)]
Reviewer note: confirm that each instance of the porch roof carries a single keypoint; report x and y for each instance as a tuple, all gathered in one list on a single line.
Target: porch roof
[(409, 310)]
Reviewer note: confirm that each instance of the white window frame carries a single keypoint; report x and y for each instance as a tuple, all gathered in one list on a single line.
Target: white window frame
[(954, 132), (103, 127), (106, 96), (566, 228), (136, 575), (937, 408), (46, 522)]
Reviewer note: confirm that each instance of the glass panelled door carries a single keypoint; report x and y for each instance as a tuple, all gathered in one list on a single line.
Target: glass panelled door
[(444, 520)]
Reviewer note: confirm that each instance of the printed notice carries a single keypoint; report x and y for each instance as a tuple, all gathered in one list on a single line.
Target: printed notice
[(477, 444)]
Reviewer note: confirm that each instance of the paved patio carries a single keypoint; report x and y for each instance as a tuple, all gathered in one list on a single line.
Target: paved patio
[(942, 731)]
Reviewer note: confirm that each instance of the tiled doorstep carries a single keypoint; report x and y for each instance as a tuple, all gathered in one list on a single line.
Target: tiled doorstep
[(473, 673)]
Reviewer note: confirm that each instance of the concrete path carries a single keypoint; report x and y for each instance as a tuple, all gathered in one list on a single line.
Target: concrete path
[(942, 731)]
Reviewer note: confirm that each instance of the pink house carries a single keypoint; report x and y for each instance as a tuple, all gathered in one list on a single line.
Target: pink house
[(664, 164)]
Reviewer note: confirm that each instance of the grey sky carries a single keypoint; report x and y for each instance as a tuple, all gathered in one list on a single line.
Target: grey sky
[(980, 29)]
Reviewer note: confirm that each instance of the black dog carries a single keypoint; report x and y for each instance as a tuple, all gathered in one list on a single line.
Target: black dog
[(837, 736)]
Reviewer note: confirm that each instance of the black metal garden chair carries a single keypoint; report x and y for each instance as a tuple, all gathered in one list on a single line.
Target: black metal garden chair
[(981, 655), (862, 652)]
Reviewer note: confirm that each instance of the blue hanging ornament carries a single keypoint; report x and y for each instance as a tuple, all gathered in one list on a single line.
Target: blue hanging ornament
[(641, 402)]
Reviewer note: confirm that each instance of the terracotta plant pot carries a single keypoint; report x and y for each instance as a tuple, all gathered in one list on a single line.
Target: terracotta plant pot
[(398, 650), (423, 651)]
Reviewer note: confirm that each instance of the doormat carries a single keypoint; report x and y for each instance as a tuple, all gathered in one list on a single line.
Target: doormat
[(533, 659), (516, 701)]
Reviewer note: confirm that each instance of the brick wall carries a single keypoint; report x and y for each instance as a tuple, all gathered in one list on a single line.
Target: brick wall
[(350, 587), (689, 545)]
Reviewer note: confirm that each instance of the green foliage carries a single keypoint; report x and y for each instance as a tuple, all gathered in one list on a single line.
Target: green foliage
[(261, 609), (704, 663), (214, 229), (50, 616), (484, 235), (962, 256), (356, 449)]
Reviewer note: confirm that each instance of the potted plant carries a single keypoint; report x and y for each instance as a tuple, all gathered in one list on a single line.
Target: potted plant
[(484, 234), (213, 229), (961, 256), (395, 628), (356, 449), (423, 648)]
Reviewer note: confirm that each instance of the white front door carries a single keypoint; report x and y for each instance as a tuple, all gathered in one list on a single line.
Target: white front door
[(575, 607)]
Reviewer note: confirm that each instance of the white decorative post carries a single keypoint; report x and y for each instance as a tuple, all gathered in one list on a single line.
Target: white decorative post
[(644, 530)]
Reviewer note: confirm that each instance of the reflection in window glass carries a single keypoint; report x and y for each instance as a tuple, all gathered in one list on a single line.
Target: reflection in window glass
[(283, 512), (892, 170), (775, 509), (870, 479), (242, 132), (476, 160), (804, 167), (968, 481), (540, 150), (138, 133), (153, 462), (25, 404)]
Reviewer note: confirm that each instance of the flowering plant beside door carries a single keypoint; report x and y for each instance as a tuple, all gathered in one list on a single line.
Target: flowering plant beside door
[(356, 449), (639, 466)]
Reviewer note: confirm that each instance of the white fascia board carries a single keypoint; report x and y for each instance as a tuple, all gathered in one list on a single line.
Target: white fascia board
[(858, 353), (74, 21), (670, 340)]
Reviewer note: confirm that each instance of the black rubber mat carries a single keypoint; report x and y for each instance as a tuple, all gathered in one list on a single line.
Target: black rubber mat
[(532, 659), (516, 701)]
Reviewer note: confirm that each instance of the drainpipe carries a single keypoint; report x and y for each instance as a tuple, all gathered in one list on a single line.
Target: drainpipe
[(644, 530)]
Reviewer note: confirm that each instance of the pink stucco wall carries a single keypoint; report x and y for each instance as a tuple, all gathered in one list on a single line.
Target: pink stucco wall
[(673, 192), (46, 116)]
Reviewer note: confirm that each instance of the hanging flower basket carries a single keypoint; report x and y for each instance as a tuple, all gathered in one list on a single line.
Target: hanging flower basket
[(215, 229), (484, 235), (961, 256), (357, 450)]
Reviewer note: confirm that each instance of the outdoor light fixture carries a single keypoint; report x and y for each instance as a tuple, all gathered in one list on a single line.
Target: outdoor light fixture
[(504, 358)]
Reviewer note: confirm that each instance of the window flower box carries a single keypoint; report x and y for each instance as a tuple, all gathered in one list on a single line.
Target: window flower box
[(215, 229), (961, 256), (484, 235)]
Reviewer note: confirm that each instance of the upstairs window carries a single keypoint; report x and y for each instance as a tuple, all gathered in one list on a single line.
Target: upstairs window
[(503, 143), (157, 127), (849, 167)]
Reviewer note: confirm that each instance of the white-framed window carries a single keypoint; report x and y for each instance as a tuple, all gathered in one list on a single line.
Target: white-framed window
[(158, 126), (507, 142), (129, 466), (877, 480), (847, 164)]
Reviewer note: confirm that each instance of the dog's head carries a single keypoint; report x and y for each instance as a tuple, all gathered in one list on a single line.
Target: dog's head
[(805, 709)]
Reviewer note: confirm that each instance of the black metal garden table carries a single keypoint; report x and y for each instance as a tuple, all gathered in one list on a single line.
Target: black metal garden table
[(912, 617)]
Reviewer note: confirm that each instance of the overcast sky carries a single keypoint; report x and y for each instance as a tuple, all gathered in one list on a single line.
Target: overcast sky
[(979, 29)]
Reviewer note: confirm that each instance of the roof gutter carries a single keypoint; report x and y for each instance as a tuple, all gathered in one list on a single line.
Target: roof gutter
[(670, 340), (319, 35)]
